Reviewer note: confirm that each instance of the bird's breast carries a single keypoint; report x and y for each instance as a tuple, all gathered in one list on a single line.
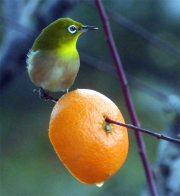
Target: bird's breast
[(54, 71)]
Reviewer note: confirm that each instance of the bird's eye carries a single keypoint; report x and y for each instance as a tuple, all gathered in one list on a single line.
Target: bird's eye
[(72, 29)]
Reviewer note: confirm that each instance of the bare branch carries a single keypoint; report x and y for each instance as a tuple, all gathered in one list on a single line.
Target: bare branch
[(127, 96), (157, 135)]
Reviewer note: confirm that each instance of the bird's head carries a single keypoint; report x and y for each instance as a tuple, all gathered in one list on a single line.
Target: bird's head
[(62, 33)]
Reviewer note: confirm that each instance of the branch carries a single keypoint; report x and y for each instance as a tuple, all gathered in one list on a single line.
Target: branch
[(127, 96), (157, 135)]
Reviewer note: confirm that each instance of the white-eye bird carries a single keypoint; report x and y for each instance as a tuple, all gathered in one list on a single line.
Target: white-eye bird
[(53, 62)]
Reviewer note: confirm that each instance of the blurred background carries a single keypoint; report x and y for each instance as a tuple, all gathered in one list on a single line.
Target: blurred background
[(147, 36)]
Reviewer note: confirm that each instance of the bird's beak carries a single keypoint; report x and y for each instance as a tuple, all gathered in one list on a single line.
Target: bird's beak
[(86, 28)]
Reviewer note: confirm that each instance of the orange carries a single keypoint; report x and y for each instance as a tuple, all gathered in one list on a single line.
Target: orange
[(91, 149)]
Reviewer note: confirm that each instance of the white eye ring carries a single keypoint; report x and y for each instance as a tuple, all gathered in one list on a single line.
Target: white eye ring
[(72, 29)]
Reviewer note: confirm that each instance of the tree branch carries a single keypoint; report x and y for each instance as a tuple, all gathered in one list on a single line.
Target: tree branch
[(127, 96), (157, 135)]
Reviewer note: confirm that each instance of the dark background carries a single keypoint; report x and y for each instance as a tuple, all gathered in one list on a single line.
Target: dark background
[(29, 165)]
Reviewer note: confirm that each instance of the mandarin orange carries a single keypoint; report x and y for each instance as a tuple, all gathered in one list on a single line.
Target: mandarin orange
[(91, 149)]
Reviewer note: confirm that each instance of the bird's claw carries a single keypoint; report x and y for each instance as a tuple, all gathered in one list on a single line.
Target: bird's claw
[(43, 94)]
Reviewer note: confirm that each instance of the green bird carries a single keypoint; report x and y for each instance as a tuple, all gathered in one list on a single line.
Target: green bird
[(53, 62)]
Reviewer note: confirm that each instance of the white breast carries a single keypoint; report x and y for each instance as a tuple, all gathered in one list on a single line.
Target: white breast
[(51, 71)]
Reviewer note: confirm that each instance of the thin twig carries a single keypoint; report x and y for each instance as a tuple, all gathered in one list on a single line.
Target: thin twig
[(127, 96), (157, 135)]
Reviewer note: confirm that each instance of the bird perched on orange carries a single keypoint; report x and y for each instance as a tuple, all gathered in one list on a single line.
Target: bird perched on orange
[(53, 62), (91, 149)]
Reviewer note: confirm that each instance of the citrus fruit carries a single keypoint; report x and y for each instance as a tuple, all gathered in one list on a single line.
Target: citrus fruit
[(91, 149)]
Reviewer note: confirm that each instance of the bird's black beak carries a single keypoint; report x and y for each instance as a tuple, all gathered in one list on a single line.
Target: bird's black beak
[(86, 28)]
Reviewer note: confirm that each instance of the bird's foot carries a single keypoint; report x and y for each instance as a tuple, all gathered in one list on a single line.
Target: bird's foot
[(44, 95)]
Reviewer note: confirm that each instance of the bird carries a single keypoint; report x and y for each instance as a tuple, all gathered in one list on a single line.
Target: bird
[(53, 61)]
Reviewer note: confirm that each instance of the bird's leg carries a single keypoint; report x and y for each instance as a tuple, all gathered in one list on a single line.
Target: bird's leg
[(67, 90), (43, 94)]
